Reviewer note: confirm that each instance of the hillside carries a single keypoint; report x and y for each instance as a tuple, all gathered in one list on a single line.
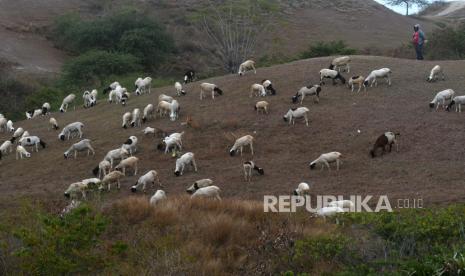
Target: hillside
[(364, 24), (446, 10), (428, 166)]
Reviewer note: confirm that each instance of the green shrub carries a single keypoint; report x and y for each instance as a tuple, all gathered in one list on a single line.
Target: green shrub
[(447, 43), (323, 49)]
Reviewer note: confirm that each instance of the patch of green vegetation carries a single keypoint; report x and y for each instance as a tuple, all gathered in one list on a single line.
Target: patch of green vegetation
[(323, 49)]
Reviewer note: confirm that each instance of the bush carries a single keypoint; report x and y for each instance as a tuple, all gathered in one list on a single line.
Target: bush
[(447, 43), (323, 49), (93, 66)]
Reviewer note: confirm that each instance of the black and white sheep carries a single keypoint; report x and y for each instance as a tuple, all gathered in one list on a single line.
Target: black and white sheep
[(206, 87), (186, 159), (387, 139), (130, 145), (189, 76), (31, 114), (240, 143), (311, 90), (441, 98), (46, 109), (331, 74), (178, 89), (296, 113), (149, 178), (268, 86), (250, 166), (79, 147), (199, 184), (111, 87), (88, 99), (71, 129), (17, 134), (33, 142), (142, 85), (302, 189), (326, 159), (457, 101)]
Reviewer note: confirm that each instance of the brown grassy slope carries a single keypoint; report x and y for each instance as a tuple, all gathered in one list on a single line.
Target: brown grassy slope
[(429, 164)]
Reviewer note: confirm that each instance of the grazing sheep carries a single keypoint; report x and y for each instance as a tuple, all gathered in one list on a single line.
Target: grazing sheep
[(102, 169), (387, 139), (17, 134), (136, 119), (66, 101), (331, 74), (246, 66), (94, 93), (53, 123), (148, 178), (178, 88), (111, 87), (457, 101), (82, 187), (343, 204), (207, 192), (269, 86), (302, 189), (31, 114), (311, 90), (130, 145), (3, 122), (340, 62), (149, 110), (434, 75), (442, 97), (163, 108), (32, 141), (124, 98), (142, 85), (240, 143), (257, 90), (157, 197), (165, 98), (89, 100), (261, 106), (70, 129), (360, 80), (199, 184), (126, 119), (248, 167), (375, 74), (110, 178), (206, 87), (5, 148), (295, 113), (186, 159), (155, 131), (9, 126), (329, 211), (326, 159), (171, 142), (116, 154), (21, 151), (130, 162), (189, 76), (25, 134), (79, 147), (174, 110), (46, 109)]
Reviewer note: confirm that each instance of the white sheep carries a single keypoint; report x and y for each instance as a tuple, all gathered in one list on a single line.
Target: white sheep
[(149, 110), (5, 148), (88, 99), (25, 134), (457, 101), (32, 141), (311, 90), (94, 94), (387, 139), (240, 143), (269, 86), (130, 145), (142, 85), (329, 211), (149, 178), (186, 159), (262, 106), (110, 178), (206, 87), (246, 66), (149, 130), (111, 87), (441, 98), (102, 169), (126, 119), (248, 167), (3, 122), (136, 118), (116, 154), (157, 197), (257, 90), (17, 134), (360, 80), (174, 110), (296, 113), (163, 108), (31, 114), (302, 189), (178, 88), (340, 62), (433, 76), (9, 126), (343, 204), (130, 162), (165, 98), (207, 192), (155, 131), (379, 73), (79, 147), (331, 74), (71, 129), (46, 107), (53, 123), (21, 151), (326, 159), (171, 142), (199, 184), (66, 102)]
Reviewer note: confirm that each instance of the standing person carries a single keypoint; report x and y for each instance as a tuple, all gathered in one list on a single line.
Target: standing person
[(418, 41)]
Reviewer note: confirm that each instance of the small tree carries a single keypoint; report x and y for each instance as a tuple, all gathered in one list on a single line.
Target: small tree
[(407, 3)]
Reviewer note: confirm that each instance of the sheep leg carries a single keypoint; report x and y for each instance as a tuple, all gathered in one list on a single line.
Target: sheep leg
[(241, 150), (337, 164), (251, 147), (118, 184), (83, 192), (193, 164), (327, 165), (201, 94), (92, 150), (348, 68), (75, 154), (159, 183), (213, 94), (135, 170), (245, 174), (255, 71), (302, 99), (218, 197)]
